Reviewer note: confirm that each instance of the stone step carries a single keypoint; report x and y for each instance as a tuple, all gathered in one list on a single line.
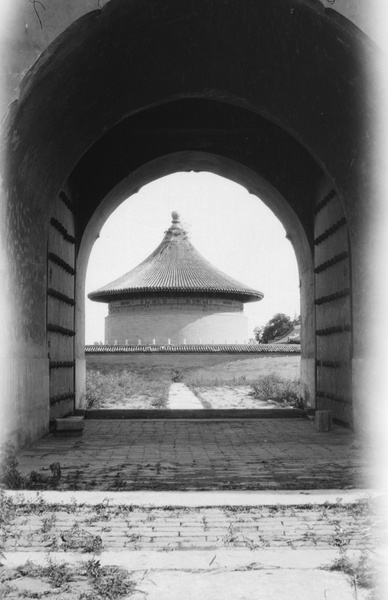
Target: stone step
[(219, 414), (69, 426)]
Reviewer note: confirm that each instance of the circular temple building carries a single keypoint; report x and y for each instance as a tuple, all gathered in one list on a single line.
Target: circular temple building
[(175, 296)]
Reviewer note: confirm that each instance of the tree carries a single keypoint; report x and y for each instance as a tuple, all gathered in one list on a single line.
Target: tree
[(279, 325), (257, 332)]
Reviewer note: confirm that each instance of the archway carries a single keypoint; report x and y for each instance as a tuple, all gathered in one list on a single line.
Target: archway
[(198, 161), (285, 108)]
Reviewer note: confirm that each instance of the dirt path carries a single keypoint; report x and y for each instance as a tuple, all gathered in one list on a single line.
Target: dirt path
[(223, 397), (180, 397)]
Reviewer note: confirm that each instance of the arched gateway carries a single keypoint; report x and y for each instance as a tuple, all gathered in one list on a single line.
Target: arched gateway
[(175, 296), (274, 95)]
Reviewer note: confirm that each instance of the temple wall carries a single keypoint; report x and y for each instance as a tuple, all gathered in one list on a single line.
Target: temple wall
[(194, 326)]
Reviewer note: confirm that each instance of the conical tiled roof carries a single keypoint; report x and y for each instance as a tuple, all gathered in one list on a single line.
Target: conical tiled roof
[(175, 266)]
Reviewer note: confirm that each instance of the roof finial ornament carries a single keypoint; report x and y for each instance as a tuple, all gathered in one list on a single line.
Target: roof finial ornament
[(175, 217)]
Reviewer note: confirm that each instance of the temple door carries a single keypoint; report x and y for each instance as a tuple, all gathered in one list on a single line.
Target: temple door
[(333, 309), (60, 307)]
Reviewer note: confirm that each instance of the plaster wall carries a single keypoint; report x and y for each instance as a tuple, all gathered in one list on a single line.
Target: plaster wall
[(196, 327), (25, 399), (370, 417)]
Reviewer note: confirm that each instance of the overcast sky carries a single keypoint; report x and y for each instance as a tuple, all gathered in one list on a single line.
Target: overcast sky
[(231, 228)]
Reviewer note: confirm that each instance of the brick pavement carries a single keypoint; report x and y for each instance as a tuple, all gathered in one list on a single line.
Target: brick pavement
[(252, 454), (174, 552), (40, 526)]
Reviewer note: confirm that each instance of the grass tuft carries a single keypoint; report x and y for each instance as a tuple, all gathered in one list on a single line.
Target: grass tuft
[(363, 571), (109, 389), (278, 390), (12, 479)]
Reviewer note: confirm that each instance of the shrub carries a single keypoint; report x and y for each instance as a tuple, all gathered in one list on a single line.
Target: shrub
[(277, 389)]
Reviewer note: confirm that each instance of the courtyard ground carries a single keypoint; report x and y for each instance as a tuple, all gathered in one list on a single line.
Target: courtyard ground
[(222, 386), (174, 545), (195, 454), (235, 509)]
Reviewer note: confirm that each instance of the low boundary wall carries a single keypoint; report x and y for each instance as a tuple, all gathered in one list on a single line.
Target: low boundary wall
[(98, 357)]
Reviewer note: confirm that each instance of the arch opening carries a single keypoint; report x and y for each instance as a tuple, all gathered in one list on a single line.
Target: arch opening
[(231, 228), (257, 186)]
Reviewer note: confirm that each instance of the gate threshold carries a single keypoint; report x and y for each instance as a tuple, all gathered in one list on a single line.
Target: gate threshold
[(205, 414)]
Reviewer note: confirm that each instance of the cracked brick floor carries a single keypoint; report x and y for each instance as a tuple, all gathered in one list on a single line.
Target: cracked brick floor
[(251, 454), (173, 552), (91, 529)]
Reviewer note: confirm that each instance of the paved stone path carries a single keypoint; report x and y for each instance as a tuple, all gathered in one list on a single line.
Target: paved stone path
[(302, 552), (94, 528), (254, 454), (181, 397)]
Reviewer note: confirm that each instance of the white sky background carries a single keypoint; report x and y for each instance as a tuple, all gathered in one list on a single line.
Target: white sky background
[(231, 228)]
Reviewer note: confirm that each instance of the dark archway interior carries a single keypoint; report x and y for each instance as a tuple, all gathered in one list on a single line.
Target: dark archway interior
[(203, 126)]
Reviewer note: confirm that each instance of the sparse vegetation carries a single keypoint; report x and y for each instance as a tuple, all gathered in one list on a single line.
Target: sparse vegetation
[(242, 372), (279, 390), (256, 376), (107, 390), (147, 386), (363, 570), (9, 475), (12, 479), (349, 528), (56, 573), (108, 582)]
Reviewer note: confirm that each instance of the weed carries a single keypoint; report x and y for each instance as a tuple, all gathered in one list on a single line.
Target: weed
[(81, 540), (278, 390), (12, 479), (236, 538), (176, 376), (108, 582), (5, 590), (48, 523), (363, 571), (9, 474), (58, 574), (95, 384), (111, 583), (37, 480), (119, 482)]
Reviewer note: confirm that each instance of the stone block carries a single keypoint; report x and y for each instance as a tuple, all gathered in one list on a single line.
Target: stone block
[(323, 420), (70, 426), (68, 433)]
